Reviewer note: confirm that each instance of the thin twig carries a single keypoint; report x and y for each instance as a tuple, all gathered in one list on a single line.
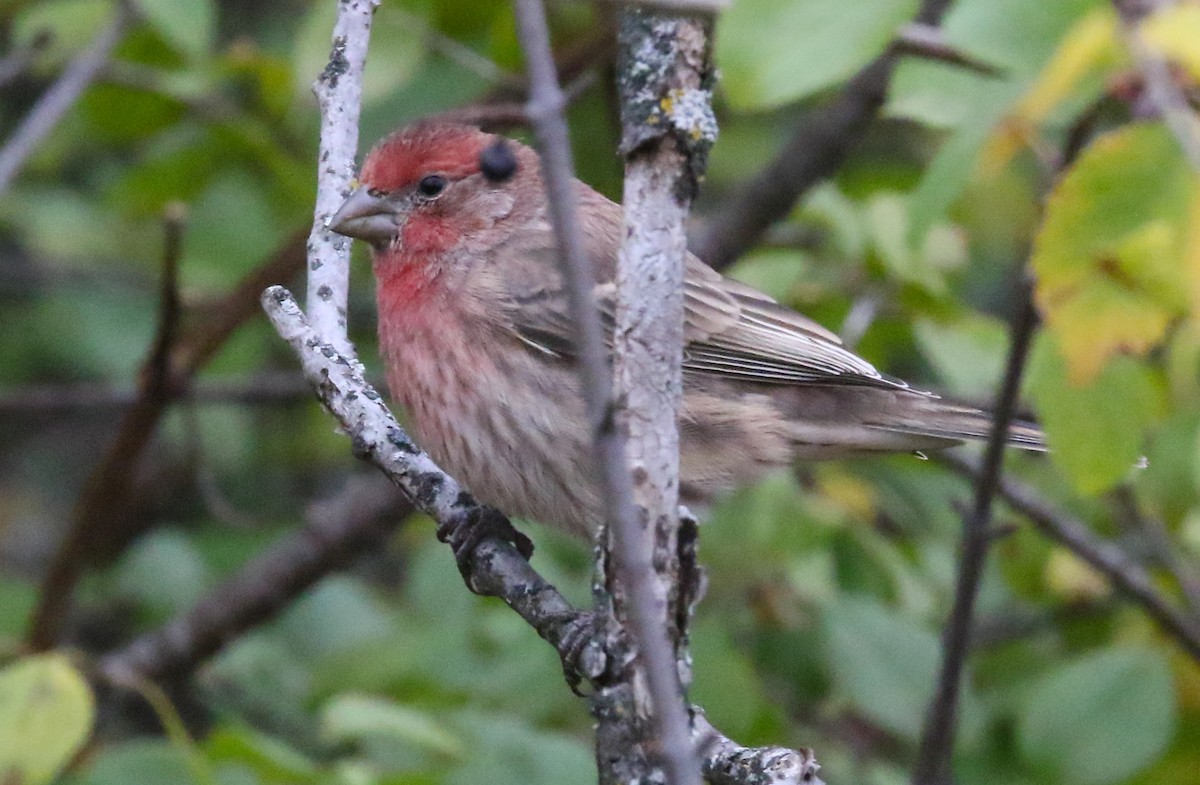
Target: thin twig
[(1105, 557), (339, 95), (61, 96), (926, 41), (107, 488), (634, 569), (1151, 532), (937, 736)]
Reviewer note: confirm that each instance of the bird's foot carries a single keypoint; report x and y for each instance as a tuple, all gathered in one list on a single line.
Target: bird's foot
[(581, 651), (463, 533)]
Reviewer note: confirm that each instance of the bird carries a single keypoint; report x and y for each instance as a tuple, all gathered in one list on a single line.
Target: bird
[(478, 346)]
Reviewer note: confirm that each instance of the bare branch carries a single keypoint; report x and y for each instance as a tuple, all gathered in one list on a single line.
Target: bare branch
[(61, 96), (663, 62), (1153, 533), (99, 520), (926, 41), (339, 95), (937, 736), (108, 487), (56, 400)]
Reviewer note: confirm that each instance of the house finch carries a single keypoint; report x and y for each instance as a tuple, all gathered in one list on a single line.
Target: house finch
[(477, 342)]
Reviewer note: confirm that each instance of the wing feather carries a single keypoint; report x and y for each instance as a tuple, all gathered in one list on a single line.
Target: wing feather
[(731, 330)]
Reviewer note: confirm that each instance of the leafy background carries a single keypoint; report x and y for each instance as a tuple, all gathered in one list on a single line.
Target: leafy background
[(828, 587)]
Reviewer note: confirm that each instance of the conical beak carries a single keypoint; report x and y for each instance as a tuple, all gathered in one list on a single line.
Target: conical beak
[(367, 217)]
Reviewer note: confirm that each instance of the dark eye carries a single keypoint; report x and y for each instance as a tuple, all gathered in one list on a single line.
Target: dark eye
[(431, 185)]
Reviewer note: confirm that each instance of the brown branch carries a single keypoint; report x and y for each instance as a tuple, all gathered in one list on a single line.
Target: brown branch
[(926, 41), (819, 146), (1153, 534), (934, 751), (99, 519)]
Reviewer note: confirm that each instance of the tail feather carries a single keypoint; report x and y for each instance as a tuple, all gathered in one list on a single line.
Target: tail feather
[(937, 418)]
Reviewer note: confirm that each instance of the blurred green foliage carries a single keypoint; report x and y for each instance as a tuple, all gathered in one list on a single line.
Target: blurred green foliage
[(828, 588)]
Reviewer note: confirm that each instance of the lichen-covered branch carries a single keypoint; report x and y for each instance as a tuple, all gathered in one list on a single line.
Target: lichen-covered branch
[(667, 129), (339, 95), (725, 762), (643, 708)]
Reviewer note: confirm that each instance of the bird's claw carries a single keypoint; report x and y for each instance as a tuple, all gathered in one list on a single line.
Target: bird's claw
[(463, 533), (582, 655)]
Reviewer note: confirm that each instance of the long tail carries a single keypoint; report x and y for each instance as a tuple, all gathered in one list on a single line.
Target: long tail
[(941, 419)]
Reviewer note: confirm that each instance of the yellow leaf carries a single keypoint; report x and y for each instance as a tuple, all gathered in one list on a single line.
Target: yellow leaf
[(1112, 255), (46, 714), (1174, 32)]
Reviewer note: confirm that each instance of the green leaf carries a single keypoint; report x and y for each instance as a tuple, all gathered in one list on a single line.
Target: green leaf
[(955, 162), (1100, 719), (271, 759), (353, 717), (1110, 256), (725, 683), (188, 25), (886, 664), (1095, 431), (968, 353), (139, 761), (506, 749), (46, 714), (772, 52), (772, 270), (921, 260), (164, 572), (1019, 36)]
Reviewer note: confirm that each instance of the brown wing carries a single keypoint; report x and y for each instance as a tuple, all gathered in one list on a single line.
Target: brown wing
[(730, 329)]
